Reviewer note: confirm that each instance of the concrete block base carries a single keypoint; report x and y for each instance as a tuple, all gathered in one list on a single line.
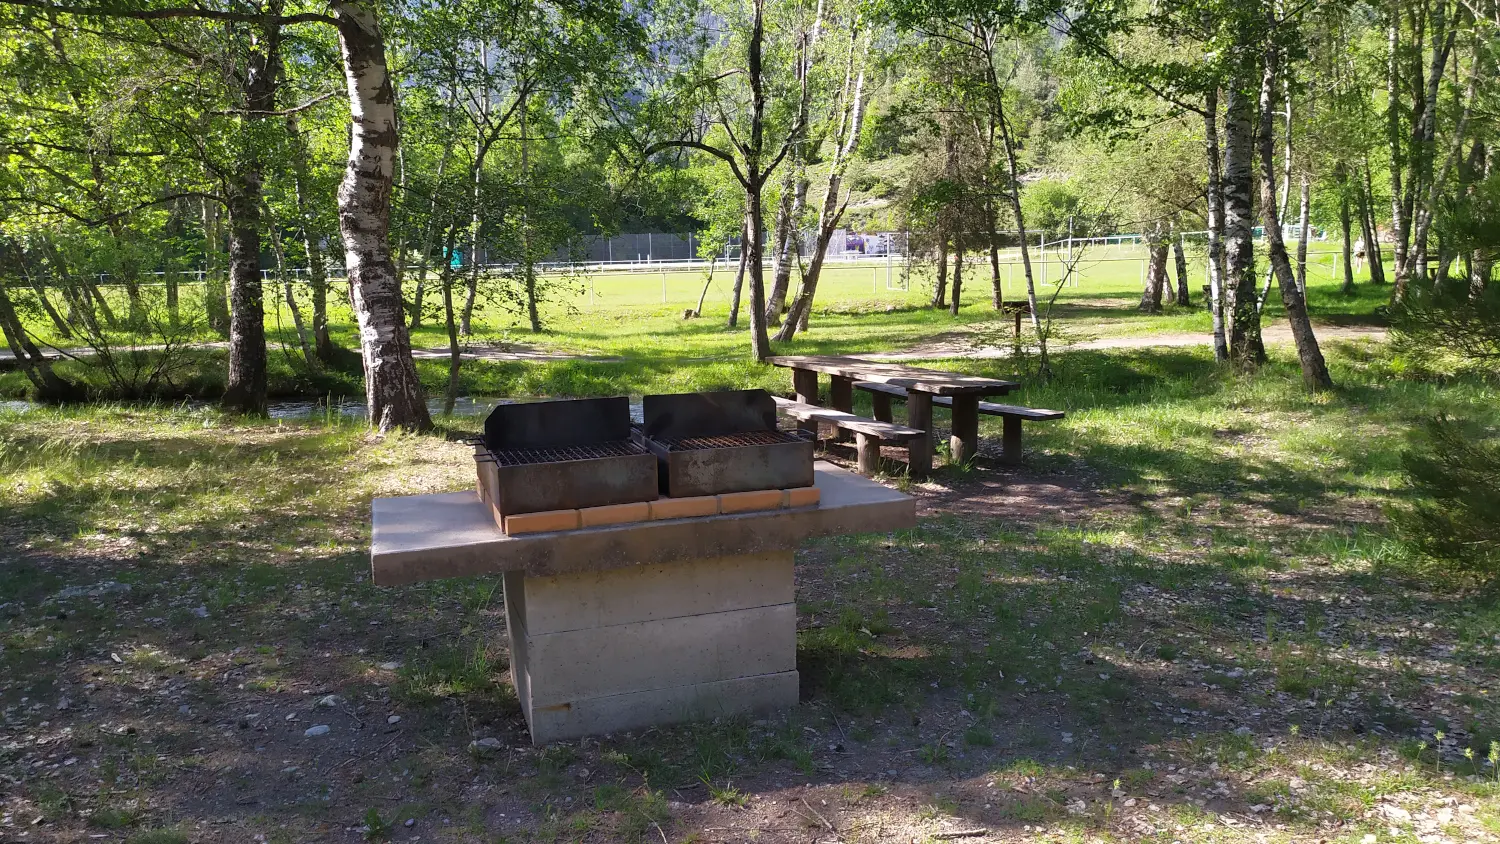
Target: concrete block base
[(602, 651)]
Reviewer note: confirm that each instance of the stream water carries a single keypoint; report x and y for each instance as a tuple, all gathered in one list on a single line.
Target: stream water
[(300, 410)]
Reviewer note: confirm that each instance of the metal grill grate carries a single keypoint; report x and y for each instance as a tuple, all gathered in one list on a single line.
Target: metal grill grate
[(745, 440), (593, 451)]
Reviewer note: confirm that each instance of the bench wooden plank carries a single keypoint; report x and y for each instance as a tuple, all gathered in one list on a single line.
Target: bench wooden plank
[(985, 407), (847, 421), (869, 433), (910, 377)]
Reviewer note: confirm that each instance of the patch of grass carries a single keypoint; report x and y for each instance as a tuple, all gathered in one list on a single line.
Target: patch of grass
[(632, 813), (727, 795), (978, 737), (111, 817)]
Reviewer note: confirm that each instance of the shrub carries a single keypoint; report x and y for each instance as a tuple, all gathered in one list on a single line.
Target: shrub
[(1456, 519)]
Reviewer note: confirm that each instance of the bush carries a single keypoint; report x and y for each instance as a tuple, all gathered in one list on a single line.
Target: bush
[(1456, 476)]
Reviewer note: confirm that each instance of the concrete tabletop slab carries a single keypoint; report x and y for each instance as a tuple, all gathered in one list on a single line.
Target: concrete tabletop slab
[(428, 537)]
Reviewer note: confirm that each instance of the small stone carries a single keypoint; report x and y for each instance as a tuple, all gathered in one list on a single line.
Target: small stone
[(394, 719), (389, 666), (411, 822), (485, 745), (327, 702), (64, 705), (200, 611), (316, 730), (184, 709)]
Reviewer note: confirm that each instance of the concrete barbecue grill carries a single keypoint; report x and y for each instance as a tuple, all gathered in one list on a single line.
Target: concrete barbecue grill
[(665, 592)]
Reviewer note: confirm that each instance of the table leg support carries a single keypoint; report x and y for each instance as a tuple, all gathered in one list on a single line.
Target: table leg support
[(965, 440), (869, 453), (805, 385), (1010, 451), (882, 404), (919, 451), (841, 397)]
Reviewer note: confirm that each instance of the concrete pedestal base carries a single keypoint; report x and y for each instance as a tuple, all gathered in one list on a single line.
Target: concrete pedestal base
[(618, 649)]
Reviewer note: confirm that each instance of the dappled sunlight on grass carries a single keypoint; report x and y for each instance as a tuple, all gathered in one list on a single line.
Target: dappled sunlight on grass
[(1220, 641)]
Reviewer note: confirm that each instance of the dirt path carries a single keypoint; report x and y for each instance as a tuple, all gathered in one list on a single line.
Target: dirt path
[(511, 352), (961, 345)]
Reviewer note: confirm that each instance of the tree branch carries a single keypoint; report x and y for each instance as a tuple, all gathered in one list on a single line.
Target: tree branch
[(169, 13)]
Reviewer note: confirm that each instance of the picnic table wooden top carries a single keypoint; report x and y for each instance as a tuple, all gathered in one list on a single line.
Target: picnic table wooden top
[(932, 381)]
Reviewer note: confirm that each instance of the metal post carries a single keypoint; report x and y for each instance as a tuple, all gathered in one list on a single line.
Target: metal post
[(663, 286), (648, 247), (1070, 252)]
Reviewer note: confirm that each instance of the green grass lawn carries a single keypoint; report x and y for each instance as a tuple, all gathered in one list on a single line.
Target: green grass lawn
[(1184, 620), (655, 350)]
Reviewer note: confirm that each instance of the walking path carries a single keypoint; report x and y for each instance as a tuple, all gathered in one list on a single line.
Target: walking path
[(952, 346)]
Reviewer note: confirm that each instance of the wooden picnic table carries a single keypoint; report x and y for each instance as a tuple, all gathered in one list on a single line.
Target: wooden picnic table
[(921, 385)]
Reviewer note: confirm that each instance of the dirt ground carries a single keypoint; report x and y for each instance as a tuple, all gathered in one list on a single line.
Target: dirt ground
[(1019, 668)]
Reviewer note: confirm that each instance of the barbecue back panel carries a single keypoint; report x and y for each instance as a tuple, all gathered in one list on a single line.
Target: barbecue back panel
[(562, 422), (715, 414)]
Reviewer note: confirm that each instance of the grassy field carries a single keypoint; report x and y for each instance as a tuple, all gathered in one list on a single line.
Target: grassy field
[(1184, 620), (654, 349)]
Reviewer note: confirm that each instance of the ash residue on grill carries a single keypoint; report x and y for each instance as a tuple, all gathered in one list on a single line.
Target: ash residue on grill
[(563, 454), (747, 439)]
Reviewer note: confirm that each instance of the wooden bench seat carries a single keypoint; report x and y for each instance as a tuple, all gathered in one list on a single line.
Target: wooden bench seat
[(1012, 415), (868, 433)]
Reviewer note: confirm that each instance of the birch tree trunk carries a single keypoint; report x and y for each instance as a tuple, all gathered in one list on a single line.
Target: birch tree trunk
[(995, 285), (1371, 233), (1346, 226), (1156, 270), (851, 119), (1240, 312), (781, 237), (940, 294), (1423, 182), (289, 295), (1215, 202), (312, 244), (1481, 260), (756, 173), (788, 221), (528, 260), (1183, 298), (393, 393), (1399, 222), (428, 227), (38, 370), (1314, 368), (1013, 171), (63, 330), (739, 277), (1286, 183), (215, 303), (958, 274), (1304, 226)]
